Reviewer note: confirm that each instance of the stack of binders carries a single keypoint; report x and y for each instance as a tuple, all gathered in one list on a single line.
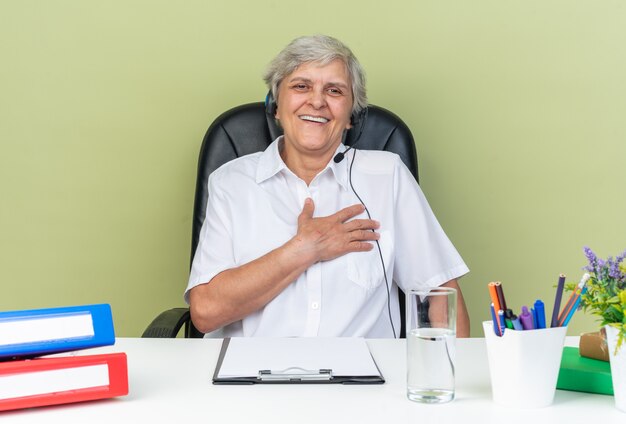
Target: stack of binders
[(29, 380)]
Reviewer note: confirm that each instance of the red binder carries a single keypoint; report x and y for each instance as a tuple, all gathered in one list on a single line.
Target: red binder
[(53, 381)]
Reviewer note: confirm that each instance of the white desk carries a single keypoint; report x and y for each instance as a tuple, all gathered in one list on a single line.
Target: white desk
[(170, 381)]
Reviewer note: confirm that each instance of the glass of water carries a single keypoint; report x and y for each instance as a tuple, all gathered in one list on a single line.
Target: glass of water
[(431, 336)]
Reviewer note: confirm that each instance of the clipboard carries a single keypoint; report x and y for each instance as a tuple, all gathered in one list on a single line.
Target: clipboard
[(252, 360)]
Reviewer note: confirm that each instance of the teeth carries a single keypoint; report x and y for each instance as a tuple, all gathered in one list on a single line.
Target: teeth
[(314, 119)]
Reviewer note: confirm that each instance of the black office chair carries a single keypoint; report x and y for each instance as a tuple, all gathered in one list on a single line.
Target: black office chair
[(248, 129)]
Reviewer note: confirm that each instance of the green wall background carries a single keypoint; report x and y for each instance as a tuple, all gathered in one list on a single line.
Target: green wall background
[(517, 107)]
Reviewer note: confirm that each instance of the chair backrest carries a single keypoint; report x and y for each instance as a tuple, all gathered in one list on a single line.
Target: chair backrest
[(249, 129)]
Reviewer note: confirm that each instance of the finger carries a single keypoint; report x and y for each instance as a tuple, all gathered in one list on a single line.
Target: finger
[(361, 246), (307, 210), (361, 224), (363, 235), (349, 212)]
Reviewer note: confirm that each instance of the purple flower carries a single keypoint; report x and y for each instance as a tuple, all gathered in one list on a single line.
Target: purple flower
[(607, 272), (614, 270), (593, 260), (590, 255)]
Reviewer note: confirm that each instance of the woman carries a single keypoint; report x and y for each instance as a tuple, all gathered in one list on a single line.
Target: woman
[(286, 248)]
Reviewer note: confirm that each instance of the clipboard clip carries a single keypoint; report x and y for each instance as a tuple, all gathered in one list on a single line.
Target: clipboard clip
[(296, 374)]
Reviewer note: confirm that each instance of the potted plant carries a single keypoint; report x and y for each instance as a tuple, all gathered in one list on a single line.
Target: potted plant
[(605, 296)]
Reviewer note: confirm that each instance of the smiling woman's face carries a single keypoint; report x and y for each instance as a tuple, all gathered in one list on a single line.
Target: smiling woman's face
[(314, 106)]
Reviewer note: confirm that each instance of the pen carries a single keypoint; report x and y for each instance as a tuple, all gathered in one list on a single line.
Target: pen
[(575, 307), (517, 325), (541, 314), (496, 324), (501, 319), (526, 319), (557, 301)]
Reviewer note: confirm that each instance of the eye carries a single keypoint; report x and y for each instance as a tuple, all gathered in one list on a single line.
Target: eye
[(300, 86), (334, 91)]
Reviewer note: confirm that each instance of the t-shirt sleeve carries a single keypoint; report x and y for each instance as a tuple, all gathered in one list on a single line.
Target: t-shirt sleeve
[(425, 256)]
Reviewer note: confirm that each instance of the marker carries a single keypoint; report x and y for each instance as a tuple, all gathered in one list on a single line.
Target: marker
[(508, 318), (533, 313), (557, 301), (509, 323), (526, 319), (541, 314)]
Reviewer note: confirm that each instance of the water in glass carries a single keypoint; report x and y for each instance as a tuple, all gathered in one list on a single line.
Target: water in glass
[(430, 377)]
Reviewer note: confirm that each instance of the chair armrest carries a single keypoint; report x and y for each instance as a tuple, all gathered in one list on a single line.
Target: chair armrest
[(168, 324)]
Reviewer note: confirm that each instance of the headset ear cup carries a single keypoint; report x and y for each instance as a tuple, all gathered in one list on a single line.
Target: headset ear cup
[(354, 119), (357, 120), (270, 105)]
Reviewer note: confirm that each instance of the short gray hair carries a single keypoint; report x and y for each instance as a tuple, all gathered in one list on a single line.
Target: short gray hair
[(320, 49)]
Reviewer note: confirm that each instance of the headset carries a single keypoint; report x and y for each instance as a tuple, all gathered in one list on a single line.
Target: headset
[(357, 121)]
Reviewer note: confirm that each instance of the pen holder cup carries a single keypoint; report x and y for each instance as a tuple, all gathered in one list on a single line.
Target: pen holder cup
[(524, 365)]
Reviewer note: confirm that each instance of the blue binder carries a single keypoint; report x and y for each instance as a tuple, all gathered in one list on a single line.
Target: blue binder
[(35, 332)]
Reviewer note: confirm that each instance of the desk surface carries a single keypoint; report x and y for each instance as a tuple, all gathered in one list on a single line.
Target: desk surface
[(170, 380)]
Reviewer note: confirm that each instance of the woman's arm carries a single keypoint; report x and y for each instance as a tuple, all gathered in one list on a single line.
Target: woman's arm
[(462, 317), (237, 292)]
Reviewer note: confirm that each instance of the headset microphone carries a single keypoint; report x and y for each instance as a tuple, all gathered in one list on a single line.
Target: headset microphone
[(339, 156)]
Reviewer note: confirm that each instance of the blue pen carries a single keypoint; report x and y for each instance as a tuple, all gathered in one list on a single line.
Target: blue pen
[(517, 325), (494, 318), (533, 313), (571, 313), (541, 314), (502, 321)]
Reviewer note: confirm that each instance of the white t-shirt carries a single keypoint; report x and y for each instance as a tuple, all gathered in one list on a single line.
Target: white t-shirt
[(253, 207)]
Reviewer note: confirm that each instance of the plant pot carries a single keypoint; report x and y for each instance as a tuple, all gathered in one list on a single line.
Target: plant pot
[(618, 367)]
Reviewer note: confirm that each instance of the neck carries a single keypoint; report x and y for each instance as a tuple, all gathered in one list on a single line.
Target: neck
[(306, 165)]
